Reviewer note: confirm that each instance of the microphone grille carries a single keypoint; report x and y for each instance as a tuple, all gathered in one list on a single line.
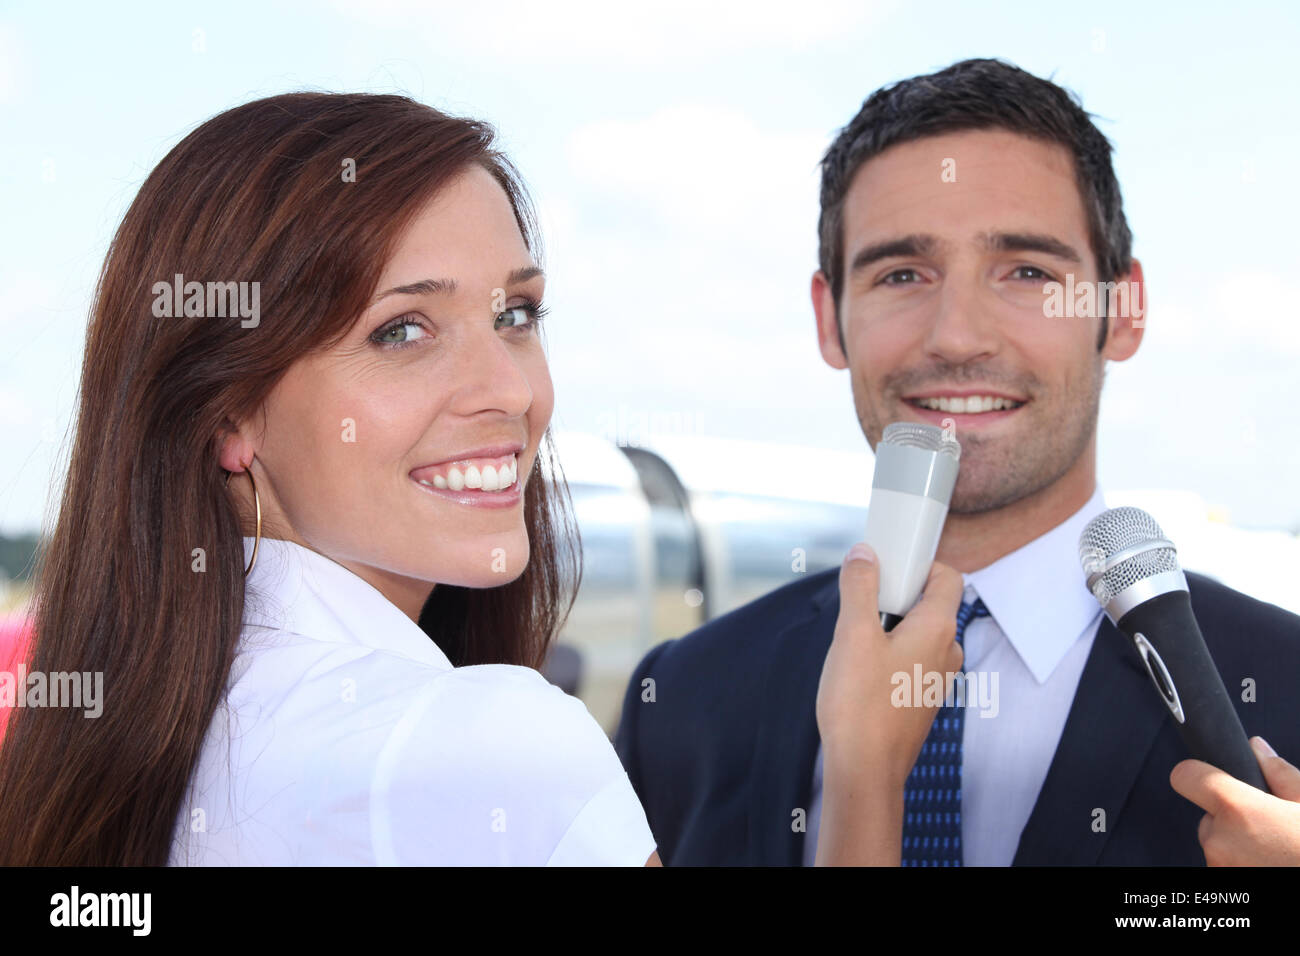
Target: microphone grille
[(926, 437), (1119, 530)]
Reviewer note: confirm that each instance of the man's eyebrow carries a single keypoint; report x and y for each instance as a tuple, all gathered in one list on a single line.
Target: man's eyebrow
[(1030, 242), (913, 245), (448, 286)]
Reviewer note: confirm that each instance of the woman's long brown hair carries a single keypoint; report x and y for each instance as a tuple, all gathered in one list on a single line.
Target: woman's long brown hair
[(258, 193)]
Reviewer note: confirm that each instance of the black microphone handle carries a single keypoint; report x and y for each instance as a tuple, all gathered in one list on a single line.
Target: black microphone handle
[(1211, 728)]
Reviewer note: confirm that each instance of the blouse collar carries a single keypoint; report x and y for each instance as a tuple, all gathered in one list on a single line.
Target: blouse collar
[(294, 588)]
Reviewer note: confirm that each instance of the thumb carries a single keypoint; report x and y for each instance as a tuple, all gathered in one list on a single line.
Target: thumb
[(1282, 778), (860, 584)]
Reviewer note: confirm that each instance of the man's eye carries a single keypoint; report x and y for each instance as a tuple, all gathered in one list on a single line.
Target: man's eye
[(900, 274), (1040, 275), (399, 333)]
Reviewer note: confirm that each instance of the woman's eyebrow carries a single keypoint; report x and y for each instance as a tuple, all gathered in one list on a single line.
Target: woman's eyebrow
[(523, 274), (422, 287), (448, 286)]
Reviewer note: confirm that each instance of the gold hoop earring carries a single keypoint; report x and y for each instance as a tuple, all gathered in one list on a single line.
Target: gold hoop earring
[(257, 504)]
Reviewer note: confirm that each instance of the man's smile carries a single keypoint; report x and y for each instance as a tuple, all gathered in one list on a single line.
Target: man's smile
[(965, 407)]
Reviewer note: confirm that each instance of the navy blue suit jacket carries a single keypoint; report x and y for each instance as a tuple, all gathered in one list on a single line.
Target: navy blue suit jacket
[(723, 755)]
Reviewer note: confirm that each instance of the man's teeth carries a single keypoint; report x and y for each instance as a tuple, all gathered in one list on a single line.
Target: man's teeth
[(966, 406), (487, 478)]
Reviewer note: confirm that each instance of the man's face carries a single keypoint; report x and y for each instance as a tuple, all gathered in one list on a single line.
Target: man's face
[(948, 242)]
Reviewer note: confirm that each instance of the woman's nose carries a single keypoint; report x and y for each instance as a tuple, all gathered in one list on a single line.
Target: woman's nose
[(493, 377)]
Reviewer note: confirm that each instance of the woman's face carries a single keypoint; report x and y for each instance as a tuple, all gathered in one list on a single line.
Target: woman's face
[(389, 453)]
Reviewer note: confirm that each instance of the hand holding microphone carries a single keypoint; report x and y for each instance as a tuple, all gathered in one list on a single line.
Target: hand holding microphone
[(916, 470), (860, 726), (869, 746)]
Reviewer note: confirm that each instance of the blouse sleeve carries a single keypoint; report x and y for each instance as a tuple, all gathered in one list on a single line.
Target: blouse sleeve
[(493, 765)]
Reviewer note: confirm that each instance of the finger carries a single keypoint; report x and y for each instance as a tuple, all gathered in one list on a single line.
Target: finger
[(943, 589), (1200, 783), (1212, 843), (1282, 778), (860, 585), (956, 657), (937, 608), (1204, 829)]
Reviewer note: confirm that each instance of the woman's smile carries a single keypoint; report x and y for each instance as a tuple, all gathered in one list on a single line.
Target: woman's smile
[(484, 479)]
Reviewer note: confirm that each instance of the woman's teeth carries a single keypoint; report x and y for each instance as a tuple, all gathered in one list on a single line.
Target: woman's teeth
[(478, 477), (973, 404)]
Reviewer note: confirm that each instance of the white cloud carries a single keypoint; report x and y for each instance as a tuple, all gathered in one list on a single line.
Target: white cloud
[(623, 34), (13, 65), (1205, 402), (1249, 308), (700, 165), (23, 294)]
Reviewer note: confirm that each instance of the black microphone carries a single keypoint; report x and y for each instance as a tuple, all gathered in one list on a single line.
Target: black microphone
[(1132, 570)]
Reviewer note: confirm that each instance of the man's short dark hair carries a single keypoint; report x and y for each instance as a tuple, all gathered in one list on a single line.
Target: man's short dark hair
[(977, 94)]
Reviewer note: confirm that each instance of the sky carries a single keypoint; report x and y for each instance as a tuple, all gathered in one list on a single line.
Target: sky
[(672, 153)]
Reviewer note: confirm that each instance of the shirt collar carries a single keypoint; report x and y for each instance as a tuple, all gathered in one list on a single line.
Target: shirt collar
[(1037, 593), (294, 588)]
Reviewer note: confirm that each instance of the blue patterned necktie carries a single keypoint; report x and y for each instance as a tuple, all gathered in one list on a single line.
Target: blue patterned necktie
[(932, 794)]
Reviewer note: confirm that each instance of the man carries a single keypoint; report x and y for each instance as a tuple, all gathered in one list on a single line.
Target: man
[(955, 209)]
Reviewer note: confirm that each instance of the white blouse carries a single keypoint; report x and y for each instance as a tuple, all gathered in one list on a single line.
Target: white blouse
[(346, 737)]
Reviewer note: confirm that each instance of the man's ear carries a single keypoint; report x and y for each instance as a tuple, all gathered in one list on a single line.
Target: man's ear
[(828, 322), (1128, 315)]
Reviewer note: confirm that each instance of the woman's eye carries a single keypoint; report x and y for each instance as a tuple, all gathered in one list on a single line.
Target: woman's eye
[(520, 316), (399, 333)]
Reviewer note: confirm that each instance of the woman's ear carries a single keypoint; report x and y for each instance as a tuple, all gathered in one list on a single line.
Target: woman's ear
[(236, 449)]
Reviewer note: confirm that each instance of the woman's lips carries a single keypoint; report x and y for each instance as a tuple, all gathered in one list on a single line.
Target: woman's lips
[(494, 473), (490, 482), (508, 498)]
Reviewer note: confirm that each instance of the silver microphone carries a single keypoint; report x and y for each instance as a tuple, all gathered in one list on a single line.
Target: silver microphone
[(916, 470)]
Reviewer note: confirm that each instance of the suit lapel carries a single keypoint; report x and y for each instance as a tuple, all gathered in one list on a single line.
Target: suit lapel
[(785, 746), (1111, 728)]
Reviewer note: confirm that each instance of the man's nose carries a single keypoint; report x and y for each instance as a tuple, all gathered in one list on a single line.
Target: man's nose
[(961, 328)]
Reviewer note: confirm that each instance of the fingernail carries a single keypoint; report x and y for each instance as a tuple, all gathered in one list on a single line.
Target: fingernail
[(862, 552), (1263, 747)]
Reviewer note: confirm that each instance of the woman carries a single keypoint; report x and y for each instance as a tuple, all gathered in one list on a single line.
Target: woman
[(313, 403)]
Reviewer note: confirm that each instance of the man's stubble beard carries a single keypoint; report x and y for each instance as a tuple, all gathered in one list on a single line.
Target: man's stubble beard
[(997, 473)]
